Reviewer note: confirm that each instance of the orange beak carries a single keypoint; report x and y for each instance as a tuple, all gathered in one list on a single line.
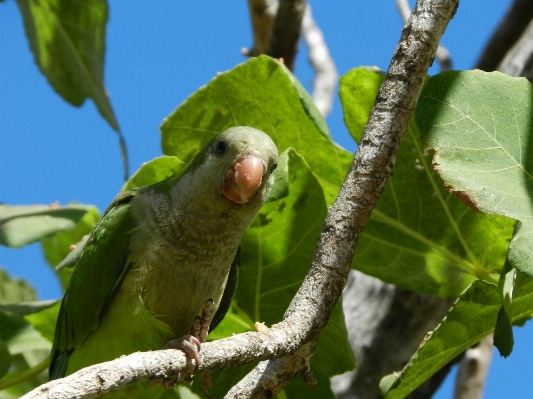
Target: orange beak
[(243, 179)]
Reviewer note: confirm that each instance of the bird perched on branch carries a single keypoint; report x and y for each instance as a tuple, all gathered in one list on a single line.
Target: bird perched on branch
[(161, 256)]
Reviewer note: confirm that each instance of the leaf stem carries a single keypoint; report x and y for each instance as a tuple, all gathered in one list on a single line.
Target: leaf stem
[(26, 374)]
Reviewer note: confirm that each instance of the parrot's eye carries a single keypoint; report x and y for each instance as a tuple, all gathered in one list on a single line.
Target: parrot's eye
[(274, 167), (221, 147)]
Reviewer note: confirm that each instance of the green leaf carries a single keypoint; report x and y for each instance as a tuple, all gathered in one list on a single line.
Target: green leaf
[(503, 333), (67, 39), (26, 308), (58, 248), (420, 237), (15, 290), (280, 189), (260, 93), (22, 348), (5, 359), (358, 90), (45, 320), (472, 318), (154, 171), (480, 126), (23, 225)]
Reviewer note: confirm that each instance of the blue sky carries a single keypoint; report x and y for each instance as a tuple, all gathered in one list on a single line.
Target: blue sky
[(158, 53)]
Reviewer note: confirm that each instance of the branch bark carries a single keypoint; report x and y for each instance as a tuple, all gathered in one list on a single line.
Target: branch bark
[(262, 15), (519, 59), (473, 370), (506, 35), (442, 55), (286, 31), (325, 72), (309, 311), (385, 327)]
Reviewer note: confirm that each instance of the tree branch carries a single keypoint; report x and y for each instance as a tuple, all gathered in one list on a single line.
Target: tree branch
[(519, 59), (385, 327), (325, 72), (286, 31), (442, 55), (506, 35), (309, 311), (473, 370), (262, 15)]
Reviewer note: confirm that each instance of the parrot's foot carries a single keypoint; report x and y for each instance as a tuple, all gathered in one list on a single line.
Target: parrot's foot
[(200, 328), (188, 344)]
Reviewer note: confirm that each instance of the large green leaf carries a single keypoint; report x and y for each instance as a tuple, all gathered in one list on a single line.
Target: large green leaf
[(23, 225), (67, 39), (481, 126), (154, 171), (14, 290), (24, 349), (471, 318), (420, 237), (277, 250), (263, 94)]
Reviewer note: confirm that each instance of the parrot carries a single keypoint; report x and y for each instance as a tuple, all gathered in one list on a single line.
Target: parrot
[(161, 254)]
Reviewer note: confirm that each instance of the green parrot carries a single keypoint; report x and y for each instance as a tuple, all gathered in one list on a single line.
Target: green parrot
[(160, 253)]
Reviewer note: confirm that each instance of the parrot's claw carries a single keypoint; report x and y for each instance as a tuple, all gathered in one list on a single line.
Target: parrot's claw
[(188, 344), (200, 327)]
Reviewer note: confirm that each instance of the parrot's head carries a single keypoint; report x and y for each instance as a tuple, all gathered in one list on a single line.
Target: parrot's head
[(233, 170), (244, 159)]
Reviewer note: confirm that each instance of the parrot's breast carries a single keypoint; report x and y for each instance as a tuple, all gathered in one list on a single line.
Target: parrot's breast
[(181, 259)]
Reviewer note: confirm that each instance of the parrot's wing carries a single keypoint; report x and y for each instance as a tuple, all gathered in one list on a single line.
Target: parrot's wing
[(229, 291), (99, 272)]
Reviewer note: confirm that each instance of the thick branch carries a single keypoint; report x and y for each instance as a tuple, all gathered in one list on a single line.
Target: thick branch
[(442, 55), (262, 14), (99, 379), (473, 370), (286, 31), (506, 35), (385, 327)]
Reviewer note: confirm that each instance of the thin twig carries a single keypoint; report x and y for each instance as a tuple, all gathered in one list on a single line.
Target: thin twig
[(325, 72)]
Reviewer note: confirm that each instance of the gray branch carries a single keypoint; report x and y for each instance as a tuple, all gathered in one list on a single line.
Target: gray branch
[(325, 72), (286, 31), (519, 59), (309, 311), (473, 370), (506, 35), (385, 327), (442, 56)]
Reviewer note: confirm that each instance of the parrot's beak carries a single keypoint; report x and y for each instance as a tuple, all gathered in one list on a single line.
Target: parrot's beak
[(243, 179)]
